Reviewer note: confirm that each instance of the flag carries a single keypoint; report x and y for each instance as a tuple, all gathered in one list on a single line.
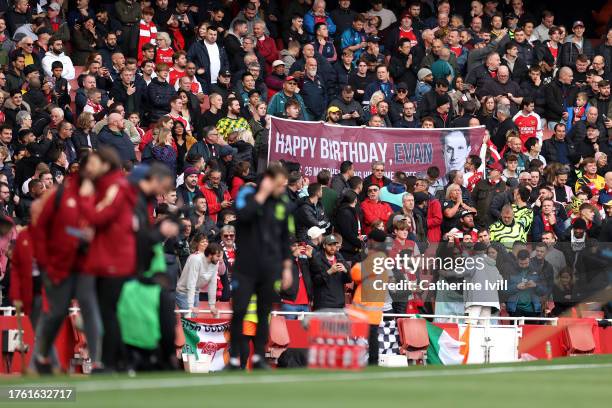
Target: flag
[(445, 349), (211, 339)]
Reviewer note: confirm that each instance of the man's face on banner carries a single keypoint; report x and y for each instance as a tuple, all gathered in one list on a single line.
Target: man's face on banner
[(455, 150)]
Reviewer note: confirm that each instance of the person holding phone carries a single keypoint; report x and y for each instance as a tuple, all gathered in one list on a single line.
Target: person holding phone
[(329, 274)]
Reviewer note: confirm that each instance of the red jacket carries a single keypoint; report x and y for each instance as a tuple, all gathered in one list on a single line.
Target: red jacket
[(112, 253), (267, 49), (434, 221), (21, 270), (55, 250), (374, 210), (214, 205)]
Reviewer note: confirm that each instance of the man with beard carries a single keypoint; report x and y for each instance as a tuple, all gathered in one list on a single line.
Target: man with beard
[(233, 121), (216, 193), (333, 115), (189, 190)]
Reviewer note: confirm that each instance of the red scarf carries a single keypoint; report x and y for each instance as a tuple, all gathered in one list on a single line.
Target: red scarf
[(578, 113), (547, 226)]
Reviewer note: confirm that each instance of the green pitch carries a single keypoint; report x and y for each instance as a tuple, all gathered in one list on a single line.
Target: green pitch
[(570, 382)]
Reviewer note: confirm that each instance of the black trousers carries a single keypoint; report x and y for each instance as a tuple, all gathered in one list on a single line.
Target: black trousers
[(113, 350), (373, 345), (260, 283)]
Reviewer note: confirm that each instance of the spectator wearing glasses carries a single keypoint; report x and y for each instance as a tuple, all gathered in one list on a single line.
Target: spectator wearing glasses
[(377, 177), (374, 210)]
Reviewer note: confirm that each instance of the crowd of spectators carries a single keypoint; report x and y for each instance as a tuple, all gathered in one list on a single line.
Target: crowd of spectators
[(89, 92)]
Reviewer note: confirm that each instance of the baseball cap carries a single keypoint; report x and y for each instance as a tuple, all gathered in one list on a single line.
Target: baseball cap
[(609, 203), (333, 109), (315, 232), (290, 78), (277, 63), (511, 16), (423, 72), (373, 38), (225, 73), (401, 85), (577, 23), (441, 100), (330, 240), (420, 197), (54, 7)]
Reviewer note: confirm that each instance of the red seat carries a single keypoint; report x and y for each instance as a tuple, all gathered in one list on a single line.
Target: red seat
[(578, 339), (414, 339), (279, 338)]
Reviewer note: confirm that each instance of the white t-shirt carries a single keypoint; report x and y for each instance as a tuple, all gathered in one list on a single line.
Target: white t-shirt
[(215, 61), (387, 17)]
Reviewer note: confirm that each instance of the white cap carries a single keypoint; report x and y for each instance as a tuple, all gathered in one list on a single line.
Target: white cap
[(315, 232), (277, 63)]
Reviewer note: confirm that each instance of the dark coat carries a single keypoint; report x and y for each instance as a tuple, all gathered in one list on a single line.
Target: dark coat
[(291, 292), (120, 142), (558, 97), (158, 97), (79, 138), (309, 215), (346, 224), (199, 55), (131, 102), (328, 289)]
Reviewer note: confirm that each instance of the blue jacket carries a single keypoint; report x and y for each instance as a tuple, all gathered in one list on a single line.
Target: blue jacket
[(534, 293), (570, 116), (315, 97), (350, 38), (387, 88), (309, 23)]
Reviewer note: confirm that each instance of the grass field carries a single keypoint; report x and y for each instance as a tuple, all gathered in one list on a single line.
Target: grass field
[(572, 382)]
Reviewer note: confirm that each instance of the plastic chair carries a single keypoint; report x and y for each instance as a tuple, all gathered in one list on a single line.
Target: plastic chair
[(279, 338), (578, 339), (414, 340)]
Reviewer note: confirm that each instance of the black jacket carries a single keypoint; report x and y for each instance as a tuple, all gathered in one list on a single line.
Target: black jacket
[(558, 97), (262, 234), (328, 289), (303, 265), (399, 72), (199, 55), (158, 97), (346, 224), (131, 102), (569, 52), (309, 215), (550, 150), (79, 138), (482, 197), (499, 138)]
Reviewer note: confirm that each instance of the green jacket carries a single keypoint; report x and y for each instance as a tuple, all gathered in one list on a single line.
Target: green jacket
[(128, 12)]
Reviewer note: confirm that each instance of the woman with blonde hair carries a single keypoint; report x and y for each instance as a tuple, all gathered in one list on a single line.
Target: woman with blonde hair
[(370, 109), (165, 122), (160, 149), (243, 142)]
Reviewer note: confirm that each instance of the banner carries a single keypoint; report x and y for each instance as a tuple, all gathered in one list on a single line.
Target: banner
[(317, 146), (204, 338)]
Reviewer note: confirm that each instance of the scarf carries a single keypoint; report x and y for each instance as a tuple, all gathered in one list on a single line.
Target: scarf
[(547, 226)]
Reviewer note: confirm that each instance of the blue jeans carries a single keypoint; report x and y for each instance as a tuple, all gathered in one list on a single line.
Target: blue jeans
[(183, 303), (293, 308)]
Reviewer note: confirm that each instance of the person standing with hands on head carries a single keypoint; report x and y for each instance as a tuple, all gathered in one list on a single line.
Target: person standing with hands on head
[(263, 226)]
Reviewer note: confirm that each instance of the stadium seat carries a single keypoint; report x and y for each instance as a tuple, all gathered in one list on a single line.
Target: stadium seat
[(414, 340), (279, 338), (578, 339)]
